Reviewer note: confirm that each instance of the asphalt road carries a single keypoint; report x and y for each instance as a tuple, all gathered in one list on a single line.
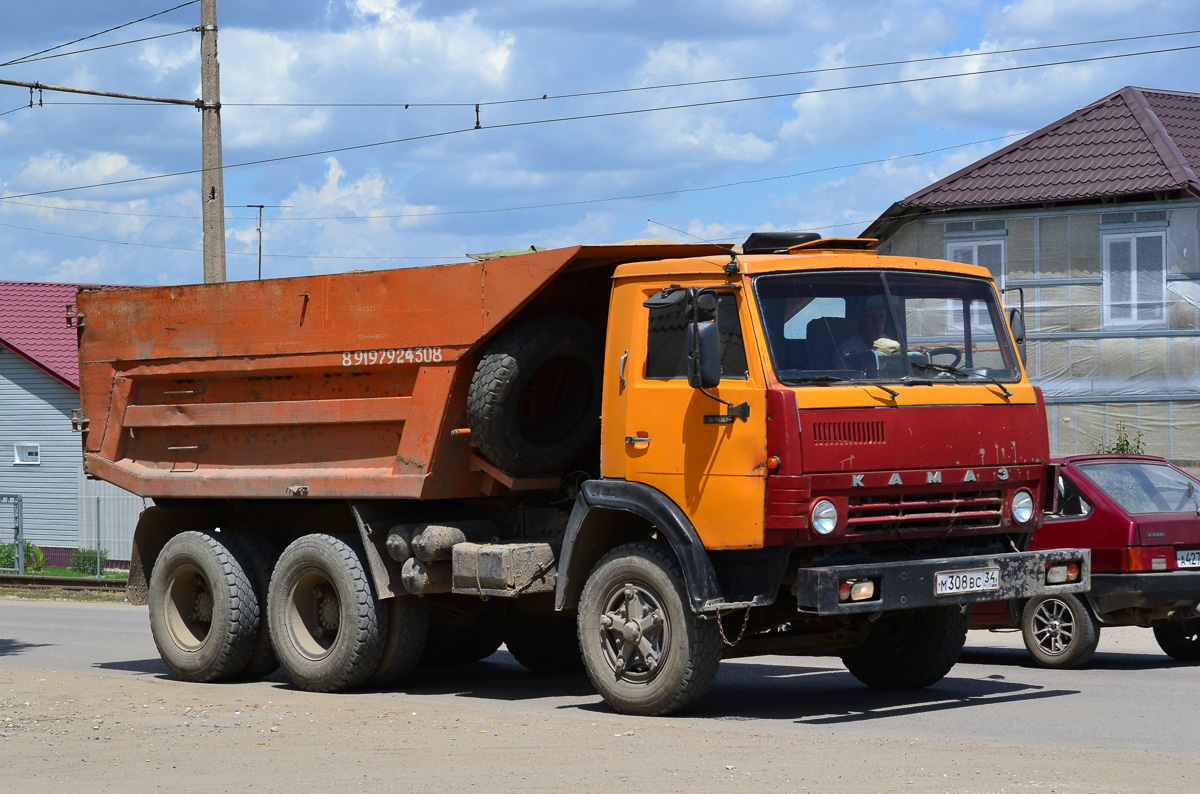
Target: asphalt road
[(1132, 705), (1130, 696)]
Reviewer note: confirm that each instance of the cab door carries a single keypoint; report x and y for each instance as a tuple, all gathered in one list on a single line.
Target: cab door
[(681, 441)]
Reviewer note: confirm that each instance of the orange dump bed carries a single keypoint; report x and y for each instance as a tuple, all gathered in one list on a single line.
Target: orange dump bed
[(335, 386)]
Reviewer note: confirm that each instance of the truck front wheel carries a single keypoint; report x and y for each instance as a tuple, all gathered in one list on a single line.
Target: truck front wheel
[(204, 614), (909, 650), (1059, 631), (327, 627), (645, 650), (1179, 639)]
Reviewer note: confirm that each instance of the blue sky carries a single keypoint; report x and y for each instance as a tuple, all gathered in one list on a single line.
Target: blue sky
[(829, 161)]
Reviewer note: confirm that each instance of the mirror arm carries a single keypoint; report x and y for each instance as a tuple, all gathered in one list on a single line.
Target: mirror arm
[(731, 411)]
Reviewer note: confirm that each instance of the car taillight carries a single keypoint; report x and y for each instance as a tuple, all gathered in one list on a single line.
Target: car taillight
[(1146, 558)]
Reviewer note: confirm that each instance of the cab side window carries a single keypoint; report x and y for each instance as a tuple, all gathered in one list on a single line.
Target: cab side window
[(666, 342), (1071, 503)]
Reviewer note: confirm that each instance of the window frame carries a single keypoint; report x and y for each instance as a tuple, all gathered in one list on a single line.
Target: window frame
[(724, 299), (21, 450), (1107, 239), (974, 242)]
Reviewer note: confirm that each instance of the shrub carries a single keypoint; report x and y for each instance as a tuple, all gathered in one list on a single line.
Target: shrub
[(84, 561), (34, 558), (1124, 444)]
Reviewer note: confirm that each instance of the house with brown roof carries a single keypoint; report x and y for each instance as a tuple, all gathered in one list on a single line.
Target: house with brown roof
[(1093, 222), (42, 484)]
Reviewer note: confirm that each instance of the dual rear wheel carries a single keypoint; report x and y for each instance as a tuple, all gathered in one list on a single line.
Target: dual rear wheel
[(224, 607)]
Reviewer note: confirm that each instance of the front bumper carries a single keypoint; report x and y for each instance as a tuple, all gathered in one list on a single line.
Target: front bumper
[(1113, 592), (909, 584)]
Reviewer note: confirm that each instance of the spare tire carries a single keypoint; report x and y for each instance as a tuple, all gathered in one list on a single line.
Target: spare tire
[(534, 402)]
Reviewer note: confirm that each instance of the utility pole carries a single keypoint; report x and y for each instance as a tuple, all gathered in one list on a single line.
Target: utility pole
[(212, 184), (260, 207)]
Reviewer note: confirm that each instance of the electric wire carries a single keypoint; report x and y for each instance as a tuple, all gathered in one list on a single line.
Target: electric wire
[(108, 47), (688, 84), (95, 35), (608, 114), (229, 253), (715, 81), (14, 110), (551, 205)]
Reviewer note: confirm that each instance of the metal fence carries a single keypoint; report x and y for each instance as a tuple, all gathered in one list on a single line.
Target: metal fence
[(106, 524), (11, 533)]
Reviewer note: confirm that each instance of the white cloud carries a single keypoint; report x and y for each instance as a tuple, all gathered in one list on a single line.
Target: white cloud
[(51, 170), (84, 269)]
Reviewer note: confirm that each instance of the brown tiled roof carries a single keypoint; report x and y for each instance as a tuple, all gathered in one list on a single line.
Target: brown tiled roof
[(1135, 140)]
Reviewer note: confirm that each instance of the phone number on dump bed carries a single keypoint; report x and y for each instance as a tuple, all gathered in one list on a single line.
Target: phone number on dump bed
[(410, 355)]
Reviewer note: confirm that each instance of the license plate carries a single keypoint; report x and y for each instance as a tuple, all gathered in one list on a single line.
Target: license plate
[(980, 580), (1187, 559)]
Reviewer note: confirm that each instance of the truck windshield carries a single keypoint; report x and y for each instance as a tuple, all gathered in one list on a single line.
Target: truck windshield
[(825, 328)]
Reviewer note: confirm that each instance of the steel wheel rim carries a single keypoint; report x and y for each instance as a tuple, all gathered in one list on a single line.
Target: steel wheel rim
[(1053, 627), (635, 632), (189, 607), (314, 614)]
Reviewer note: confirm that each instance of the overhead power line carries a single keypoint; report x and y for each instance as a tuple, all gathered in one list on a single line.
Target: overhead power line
[(601, 115), (715, 81), (604, 200), (231, 253), (33, 55), (107, 46), (687, 84)]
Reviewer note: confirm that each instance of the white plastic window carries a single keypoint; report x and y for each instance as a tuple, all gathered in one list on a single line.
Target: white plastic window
[(26, 454), (1135, 279), (985, 253)]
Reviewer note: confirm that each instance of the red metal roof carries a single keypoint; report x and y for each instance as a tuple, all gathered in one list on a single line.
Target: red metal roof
[(1135, 140), (33, 324)]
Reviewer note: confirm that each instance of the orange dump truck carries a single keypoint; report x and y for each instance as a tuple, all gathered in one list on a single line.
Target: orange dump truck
[(635, 459)]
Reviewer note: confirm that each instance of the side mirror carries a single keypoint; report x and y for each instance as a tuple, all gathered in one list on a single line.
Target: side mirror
[(1017, 323), (703, 339)]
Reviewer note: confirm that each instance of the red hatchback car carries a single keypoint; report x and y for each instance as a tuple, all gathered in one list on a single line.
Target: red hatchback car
[(1140, 516)]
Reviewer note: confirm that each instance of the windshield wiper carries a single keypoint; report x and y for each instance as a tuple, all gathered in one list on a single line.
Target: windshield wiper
[(958, 373)]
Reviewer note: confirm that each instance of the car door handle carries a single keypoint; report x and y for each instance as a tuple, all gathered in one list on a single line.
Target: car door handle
[(637, 439)]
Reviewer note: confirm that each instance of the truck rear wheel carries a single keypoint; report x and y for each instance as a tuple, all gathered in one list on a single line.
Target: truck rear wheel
[(1059, 631), (407, 629), (326, 624), (909, 650), (644, 648), (204, 614), (534, 401), (260, 554), (1179, 639)]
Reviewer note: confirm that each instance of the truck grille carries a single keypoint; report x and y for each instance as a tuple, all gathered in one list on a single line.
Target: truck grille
[(827, 433), (892, 513)]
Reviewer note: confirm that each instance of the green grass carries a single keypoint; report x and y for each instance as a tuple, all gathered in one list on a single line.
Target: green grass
[(70, 573)]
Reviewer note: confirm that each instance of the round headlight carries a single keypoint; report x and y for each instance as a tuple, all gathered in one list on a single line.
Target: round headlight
[(1022, 507), (824, 517)]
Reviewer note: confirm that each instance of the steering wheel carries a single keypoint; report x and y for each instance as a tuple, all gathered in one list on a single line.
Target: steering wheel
[(946, 351)]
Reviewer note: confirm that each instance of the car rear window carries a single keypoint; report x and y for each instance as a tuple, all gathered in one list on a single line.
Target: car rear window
[(1141, 488)]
